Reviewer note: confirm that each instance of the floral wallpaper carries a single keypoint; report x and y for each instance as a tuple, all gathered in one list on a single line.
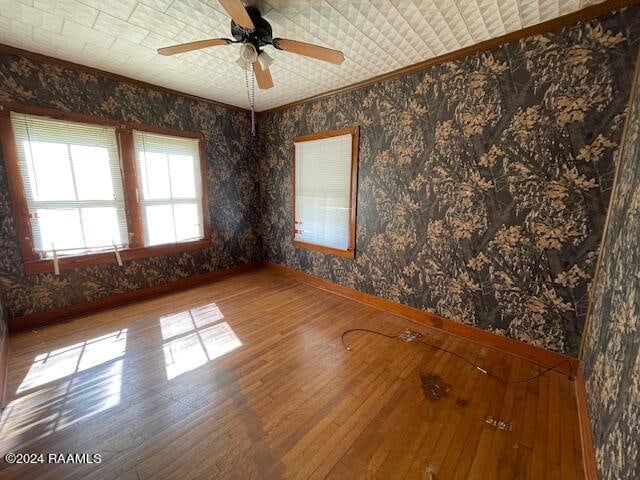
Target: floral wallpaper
[(611, 353), (483, 182), (232, 177)]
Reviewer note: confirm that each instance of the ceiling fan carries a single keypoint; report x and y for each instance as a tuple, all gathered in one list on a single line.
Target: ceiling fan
[(254, 33)]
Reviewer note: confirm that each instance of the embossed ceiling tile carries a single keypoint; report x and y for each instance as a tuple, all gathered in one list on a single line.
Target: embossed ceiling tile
[(204, 17), (55, 42), (26, 14), (80, 32), (568, 6), (104, 56), (360, 50), (395, 31), (69, 9), (474, 20), (155, 21), (118, 8), (298, 63), (509, 14), (452, 21), (432, 26), (493, 18), (189, 34), (376, 36), (134, 50), (160, 5), (114, 26), (432, 45), (529, 12), (215, 4), (5, 23), (155, 41), (549, 9)]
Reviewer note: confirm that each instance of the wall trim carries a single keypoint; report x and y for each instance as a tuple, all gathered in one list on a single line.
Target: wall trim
[(582, 15), (589, 466), (539, 355), (47, 317), (40, 57)]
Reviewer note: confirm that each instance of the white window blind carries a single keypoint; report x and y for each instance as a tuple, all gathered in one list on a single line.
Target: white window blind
[(170, 188), (72, 182), (323, 191)]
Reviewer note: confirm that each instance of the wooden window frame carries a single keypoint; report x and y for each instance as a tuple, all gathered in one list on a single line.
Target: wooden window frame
[(350, 252), (33, 264)]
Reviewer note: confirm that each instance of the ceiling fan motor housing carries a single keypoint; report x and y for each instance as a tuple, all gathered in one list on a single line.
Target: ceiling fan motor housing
[(253, 32), (261, 36)]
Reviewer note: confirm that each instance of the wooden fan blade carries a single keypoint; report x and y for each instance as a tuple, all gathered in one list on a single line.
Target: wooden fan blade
[(263, 77), (236, 10), (309, 50), (187, 47)]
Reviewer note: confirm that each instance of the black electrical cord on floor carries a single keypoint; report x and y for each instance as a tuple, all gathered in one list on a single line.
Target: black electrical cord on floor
[(463, 358)]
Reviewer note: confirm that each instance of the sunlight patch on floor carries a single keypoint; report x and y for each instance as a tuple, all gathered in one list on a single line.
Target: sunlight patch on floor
[(57, 364), (65, 386), (195, 337)]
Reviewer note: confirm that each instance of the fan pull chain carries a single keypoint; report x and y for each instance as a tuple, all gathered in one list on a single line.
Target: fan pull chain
[(251, 94), (253, 102)]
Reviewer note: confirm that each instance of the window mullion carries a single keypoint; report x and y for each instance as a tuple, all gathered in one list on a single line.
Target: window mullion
[(173, 213), (75, 194), (130, 188)]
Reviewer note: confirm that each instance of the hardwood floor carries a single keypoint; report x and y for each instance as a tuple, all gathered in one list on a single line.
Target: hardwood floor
[(247, 378)]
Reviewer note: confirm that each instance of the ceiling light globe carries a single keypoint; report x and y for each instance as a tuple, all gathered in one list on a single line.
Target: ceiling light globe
[(248, 53), (265, 60)]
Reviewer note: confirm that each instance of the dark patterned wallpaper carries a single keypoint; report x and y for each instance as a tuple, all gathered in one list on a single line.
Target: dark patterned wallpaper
[(3, 331), (611, 354), (483, 182), (232, 176), (4, 344)]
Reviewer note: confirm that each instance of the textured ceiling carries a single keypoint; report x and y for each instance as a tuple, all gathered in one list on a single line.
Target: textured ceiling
[(376, 36)]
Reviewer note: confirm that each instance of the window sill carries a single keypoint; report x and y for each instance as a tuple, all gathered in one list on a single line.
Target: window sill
[(327, 250), (33, 267)]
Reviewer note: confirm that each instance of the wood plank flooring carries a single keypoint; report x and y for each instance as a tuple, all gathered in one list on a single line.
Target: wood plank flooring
[(247, 378)]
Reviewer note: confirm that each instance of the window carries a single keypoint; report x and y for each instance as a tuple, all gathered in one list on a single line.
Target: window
[(325, 188), (72, 184), (169, 187), (89, 190)]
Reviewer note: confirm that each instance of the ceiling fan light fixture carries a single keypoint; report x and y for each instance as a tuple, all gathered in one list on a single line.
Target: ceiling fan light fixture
[(265, 60), (248, 53), (254, 33)]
